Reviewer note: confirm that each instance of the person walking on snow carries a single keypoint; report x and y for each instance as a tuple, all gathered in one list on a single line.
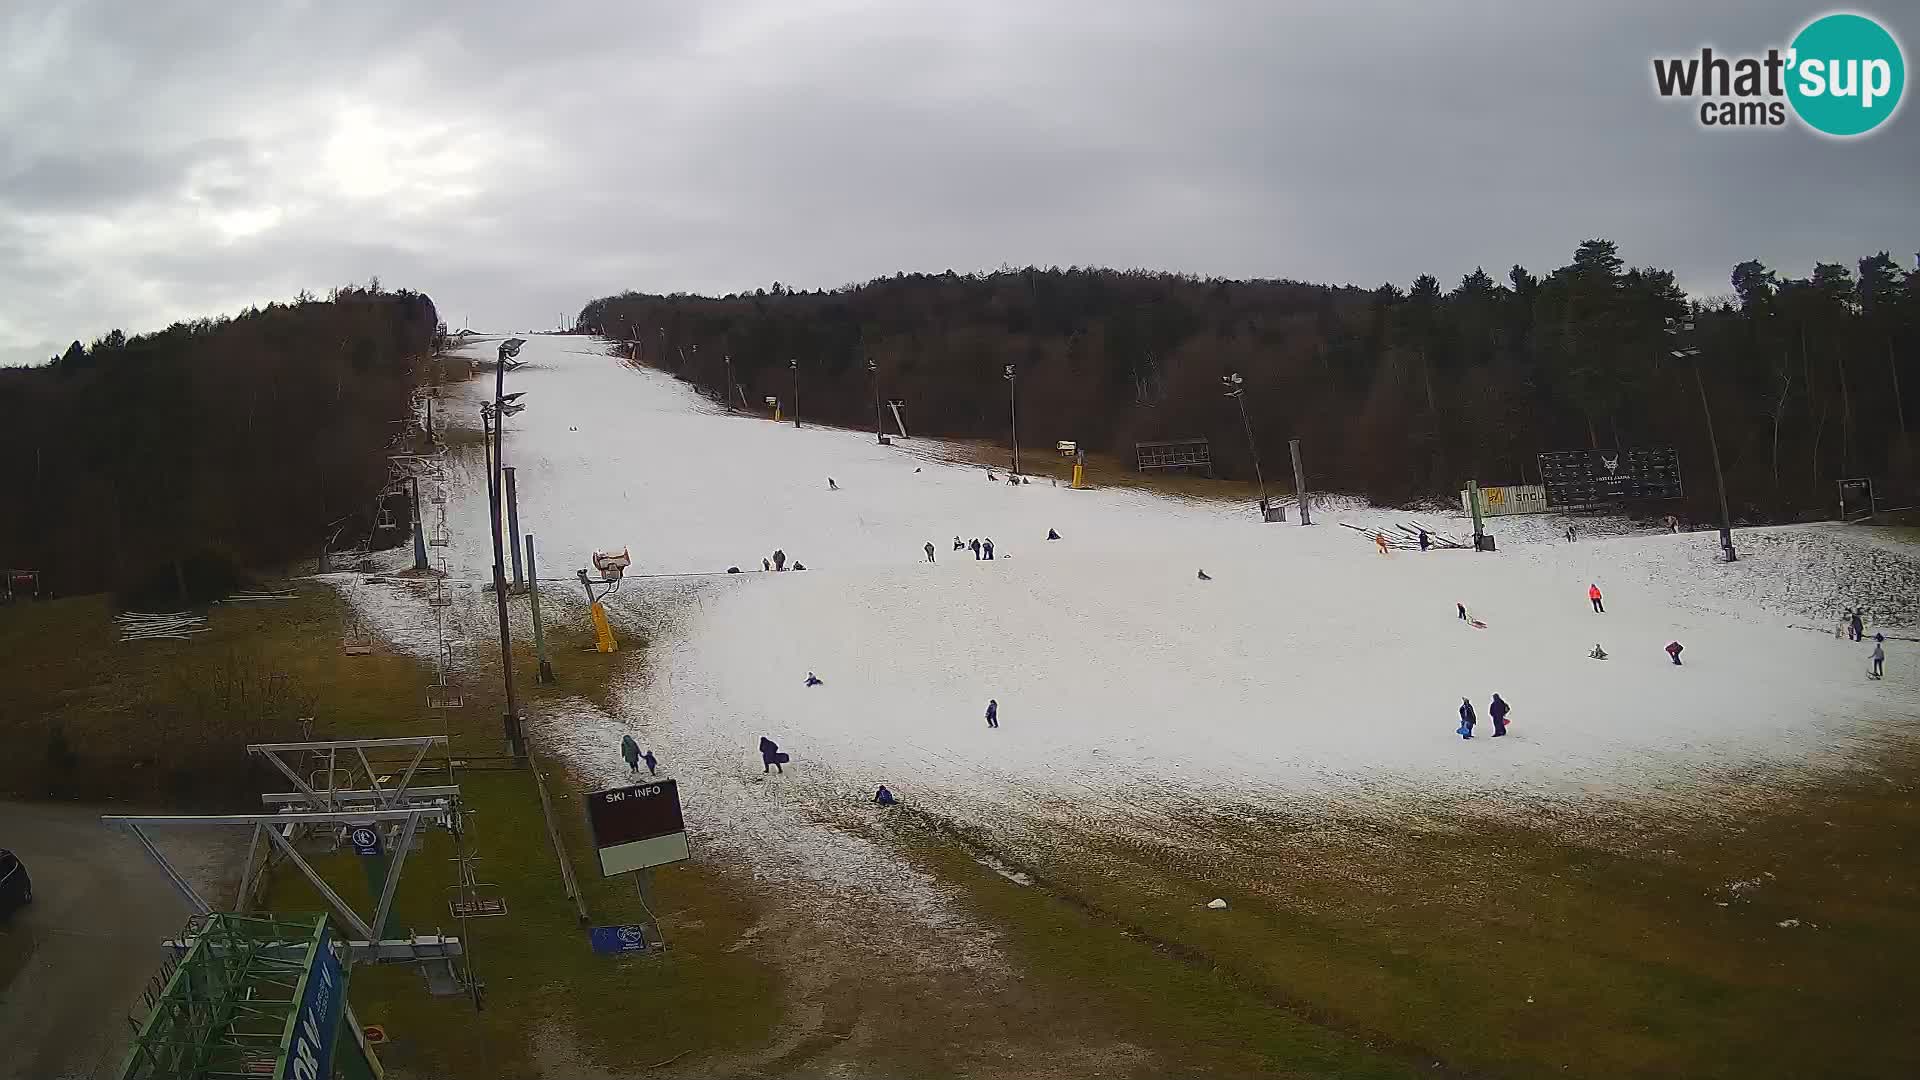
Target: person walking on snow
[(1380, 539), (1423, 540), (770, 755), (1498, 710), (975, 545), (929, 551), (779, 560), (993, 713), (987, 546), (1879, 653), (1466, 719), (1854, 626), (1674, 649), (1462, 609), (1569, 534), (631, 751), (765, 565), (831, 486), (1593, 594), (652, 762)]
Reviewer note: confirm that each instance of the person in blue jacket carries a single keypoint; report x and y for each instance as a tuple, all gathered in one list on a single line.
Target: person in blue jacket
[(1466, 719), (652, 763), (1498, 710), (884, 797), (993, 713)]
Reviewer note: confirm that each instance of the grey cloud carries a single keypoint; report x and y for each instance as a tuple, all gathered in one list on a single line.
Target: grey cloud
[(515, 160)]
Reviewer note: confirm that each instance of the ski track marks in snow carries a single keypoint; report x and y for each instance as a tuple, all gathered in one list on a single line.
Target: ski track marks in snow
[(1129, 691)]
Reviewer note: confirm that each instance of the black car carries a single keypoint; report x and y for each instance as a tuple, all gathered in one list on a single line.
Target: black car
[(16, 888)]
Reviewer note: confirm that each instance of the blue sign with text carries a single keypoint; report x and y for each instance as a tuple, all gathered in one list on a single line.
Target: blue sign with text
[(365, 839), (310, 1051), (611, 940)]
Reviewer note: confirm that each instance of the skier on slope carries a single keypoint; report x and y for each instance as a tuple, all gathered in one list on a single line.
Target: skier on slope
[(1498, 710), (1465, 729), (1879, 654), (929, 551), (1593, 594)]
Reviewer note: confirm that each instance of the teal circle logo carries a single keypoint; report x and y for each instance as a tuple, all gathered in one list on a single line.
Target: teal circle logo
[(1846, 74)]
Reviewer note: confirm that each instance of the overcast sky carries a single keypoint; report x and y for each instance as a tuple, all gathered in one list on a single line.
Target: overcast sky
[(165, 160)]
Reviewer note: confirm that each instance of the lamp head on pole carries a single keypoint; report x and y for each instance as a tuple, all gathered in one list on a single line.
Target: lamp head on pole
[(1009, 374)]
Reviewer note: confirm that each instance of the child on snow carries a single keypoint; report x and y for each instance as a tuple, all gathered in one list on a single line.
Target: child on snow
[(1673, 650), (771, 756), (1593, 594), (1879, 653), (1466, 719)]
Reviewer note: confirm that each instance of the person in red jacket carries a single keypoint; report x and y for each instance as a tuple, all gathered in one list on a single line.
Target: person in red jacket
[(1593, 594)]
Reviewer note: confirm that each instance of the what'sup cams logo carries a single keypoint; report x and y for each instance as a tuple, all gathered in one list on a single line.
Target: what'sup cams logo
[(1842, 75)]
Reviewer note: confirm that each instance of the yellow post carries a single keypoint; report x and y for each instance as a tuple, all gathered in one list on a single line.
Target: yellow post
[(1079, 479), (603, 630), (776, 414)]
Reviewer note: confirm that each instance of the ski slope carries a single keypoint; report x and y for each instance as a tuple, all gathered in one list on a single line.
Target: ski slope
[(1309, 663)]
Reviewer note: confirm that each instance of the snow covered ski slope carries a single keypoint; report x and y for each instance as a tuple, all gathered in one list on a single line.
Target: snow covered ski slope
[(1308, 662)]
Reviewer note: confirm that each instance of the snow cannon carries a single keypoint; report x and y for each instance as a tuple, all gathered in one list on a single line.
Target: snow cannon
[(612, 564)]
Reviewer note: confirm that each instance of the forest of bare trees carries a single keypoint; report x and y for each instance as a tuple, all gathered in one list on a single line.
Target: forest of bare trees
[(1397, 393), (216, 444)]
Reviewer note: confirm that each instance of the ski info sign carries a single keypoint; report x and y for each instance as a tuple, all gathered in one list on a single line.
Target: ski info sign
[(1511, 499), (637, 827)]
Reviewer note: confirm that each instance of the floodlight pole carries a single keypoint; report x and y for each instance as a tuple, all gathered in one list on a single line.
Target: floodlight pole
[(873, 368), (1232, 382), (726, 394), (516, 741), (1013, 419), (1681, 330), (795, 364)]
